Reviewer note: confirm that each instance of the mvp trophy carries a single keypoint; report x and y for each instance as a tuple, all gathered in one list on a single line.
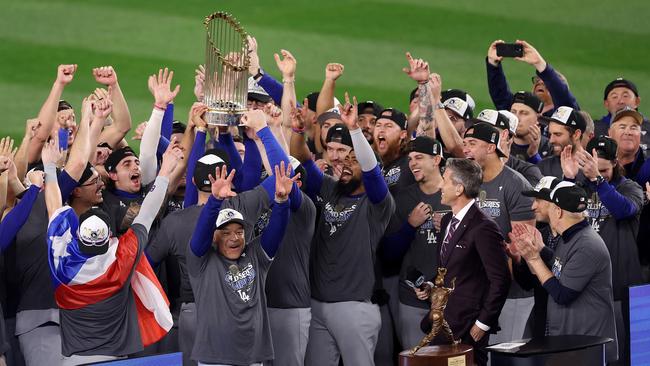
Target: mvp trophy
[(226, 70), (455, 354)]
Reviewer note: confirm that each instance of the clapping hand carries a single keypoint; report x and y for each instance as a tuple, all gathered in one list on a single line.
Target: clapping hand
[(588, 164), (569, 163)]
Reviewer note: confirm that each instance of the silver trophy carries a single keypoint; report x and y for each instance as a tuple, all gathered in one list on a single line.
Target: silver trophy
[(226, 69)]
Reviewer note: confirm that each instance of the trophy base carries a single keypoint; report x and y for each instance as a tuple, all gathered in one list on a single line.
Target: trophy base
[(443, 355), (217, 118)]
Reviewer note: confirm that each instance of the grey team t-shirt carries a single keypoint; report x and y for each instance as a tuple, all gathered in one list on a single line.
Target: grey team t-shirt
[(171, 240), (251, 204), (501, 199), (423, 251), (583, 264), (231, 306), (348, 232)]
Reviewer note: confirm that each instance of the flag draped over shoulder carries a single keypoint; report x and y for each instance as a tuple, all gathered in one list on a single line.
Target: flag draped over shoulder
[(80, 280)]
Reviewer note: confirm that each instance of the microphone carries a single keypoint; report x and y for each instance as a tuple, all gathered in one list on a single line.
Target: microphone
[(414, 278)]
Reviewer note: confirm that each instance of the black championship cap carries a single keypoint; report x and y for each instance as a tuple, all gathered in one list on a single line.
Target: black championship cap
[(206, 166), (485, 132), (312, 99), (569, 117), (339, 133), (569, 197), (93, 232), (496, 119), (528, 99), (425, 145), (178, 127), (86, 174), (459, 102), (370, 107), (605, 147), (543, 188), (328, 115), (116, 156), (621, 83), (257, 93), (627, 111), (63, 105), (394, 115)]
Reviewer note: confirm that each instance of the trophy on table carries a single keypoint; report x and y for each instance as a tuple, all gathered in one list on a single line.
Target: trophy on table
[(226, 69)]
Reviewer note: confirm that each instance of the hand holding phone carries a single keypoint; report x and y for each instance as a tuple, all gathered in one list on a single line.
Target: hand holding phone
[(510, 50)]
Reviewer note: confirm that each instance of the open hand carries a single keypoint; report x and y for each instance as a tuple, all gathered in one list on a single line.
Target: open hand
[(569, 163), (221, 187), (588, 164), (160, 87), (254, 64), (283, 182), (286, 65)]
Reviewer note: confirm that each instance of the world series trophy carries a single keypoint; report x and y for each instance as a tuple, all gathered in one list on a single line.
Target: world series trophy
[(226, 69)]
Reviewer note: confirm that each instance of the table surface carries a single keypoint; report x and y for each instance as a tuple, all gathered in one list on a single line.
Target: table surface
[(553, 344)]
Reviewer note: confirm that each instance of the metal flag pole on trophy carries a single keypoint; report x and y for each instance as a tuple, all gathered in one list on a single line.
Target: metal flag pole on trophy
[(226, 67)]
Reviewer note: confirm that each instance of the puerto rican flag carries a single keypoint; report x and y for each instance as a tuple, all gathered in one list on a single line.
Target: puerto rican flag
[(80, 280)]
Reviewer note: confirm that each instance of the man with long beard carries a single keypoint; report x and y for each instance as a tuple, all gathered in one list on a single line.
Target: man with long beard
[(355, 213)]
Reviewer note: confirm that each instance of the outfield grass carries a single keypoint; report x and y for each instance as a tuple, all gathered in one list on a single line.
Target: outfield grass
[(591, 43)]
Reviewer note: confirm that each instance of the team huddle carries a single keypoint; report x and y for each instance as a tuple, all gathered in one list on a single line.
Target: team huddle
[(312, 233)]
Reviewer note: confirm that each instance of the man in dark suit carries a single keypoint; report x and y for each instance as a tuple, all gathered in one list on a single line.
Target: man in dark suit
[(473, 253)]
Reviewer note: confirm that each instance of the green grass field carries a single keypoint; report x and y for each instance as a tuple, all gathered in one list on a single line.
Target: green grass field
[(590, 42)]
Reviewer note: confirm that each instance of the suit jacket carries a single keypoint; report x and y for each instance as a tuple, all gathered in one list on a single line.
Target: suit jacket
[(478, 261)]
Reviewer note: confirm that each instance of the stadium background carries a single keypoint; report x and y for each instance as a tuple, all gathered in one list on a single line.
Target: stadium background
[(590, 42)]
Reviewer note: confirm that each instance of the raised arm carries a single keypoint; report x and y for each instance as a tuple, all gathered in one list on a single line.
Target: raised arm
[(47, 114), (160, 88), (418, 70), (121, 125), (373, 180), (156, 195), (496, 79), (17, 217), (287, 66), (448, 133), (275, 230), (326, 96), (266, 81), (50, 155), (274, 152)]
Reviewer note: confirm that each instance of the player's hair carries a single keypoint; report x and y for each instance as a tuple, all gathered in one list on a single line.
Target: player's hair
[(467, 173)]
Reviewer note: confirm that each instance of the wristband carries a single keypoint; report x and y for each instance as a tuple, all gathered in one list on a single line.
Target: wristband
[(298, 131), (259, 74), (288, 80), (202, 129), (439, 106), (159, 107)]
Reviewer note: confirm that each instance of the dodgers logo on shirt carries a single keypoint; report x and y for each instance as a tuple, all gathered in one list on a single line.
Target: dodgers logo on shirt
[(597, 212), (336, 218), (557, 268), (241, 280), (429, 230), (262, 222)]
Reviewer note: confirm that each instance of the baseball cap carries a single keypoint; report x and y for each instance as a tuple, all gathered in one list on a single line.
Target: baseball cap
[(425, 145), (331, 114), (63, 105), (569, 197), (86, 174), (394, 115), (485, 132), (178, 127), (227, 216), (569, 117), (459, 102), (116, 156), (495, 118), (93, 232), (605, 147), (298, 169), (339, 133), (627, 111), (207, 166), (513, 121), (543, 188), (620, 83), (369, 104), (257, 93), (528, 99)]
